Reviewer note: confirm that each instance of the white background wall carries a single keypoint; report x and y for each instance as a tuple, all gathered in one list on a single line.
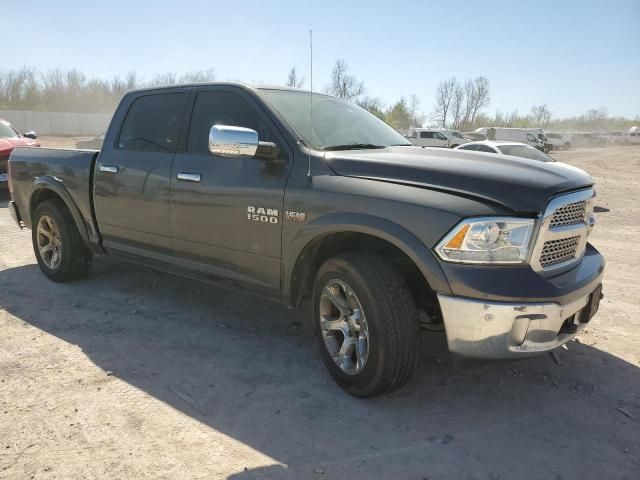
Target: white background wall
[(58, 123)]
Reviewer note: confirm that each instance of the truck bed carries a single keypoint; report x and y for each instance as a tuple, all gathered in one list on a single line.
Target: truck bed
[(69, 171)]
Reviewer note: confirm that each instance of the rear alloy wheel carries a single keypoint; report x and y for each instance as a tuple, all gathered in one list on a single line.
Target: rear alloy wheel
[(61, 253), (367, 323), (48, 240)]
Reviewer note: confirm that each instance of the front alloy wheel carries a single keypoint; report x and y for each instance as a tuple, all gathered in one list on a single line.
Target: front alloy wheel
[(367, 323), (343, 325)]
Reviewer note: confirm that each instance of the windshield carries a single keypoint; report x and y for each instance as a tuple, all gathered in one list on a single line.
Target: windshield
[(6, 131), (336, 124), (525, 151)]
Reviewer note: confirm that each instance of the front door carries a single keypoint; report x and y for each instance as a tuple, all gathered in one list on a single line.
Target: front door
[(133, 175), (226, 212)]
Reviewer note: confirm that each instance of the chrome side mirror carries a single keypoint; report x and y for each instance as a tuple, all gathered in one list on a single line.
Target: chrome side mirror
[(228, 141), (30, 134)]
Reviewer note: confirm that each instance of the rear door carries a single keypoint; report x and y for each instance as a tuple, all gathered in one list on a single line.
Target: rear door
[(227, 217), (133, 175)]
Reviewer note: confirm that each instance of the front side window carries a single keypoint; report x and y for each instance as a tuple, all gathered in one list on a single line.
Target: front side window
[(458, 135), (153, 123), (222, 108), (469, 147), (531, 138), (7, 131), (440, 136)]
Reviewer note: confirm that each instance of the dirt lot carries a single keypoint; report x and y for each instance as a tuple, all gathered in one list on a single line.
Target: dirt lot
[(133, 374)]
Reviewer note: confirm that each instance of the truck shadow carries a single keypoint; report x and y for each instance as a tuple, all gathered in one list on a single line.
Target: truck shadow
[(251, 369)]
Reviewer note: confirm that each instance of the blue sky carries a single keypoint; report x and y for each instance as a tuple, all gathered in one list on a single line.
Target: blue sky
[(571, 55)]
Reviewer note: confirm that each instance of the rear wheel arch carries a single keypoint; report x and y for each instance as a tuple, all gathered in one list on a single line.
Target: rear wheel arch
[(49, 189)]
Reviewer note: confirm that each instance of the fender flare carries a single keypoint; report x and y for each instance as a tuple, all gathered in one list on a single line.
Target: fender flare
[(55, 185), (384, 229)]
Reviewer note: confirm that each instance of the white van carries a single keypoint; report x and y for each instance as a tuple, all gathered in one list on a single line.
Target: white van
[(437, 137), (632, 137), (531, 136)]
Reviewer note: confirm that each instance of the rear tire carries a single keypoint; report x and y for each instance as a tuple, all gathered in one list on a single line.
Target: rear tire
[(60, 251), (361, 301)]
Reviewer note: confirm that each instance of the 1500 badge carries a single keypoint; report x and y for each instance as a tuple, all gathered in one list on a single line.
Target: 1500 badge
[(264, 215)]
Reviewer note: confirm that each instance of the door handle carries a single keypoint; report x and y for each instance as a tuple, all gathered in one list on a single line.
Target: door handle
[(108, 168), (189, 177)]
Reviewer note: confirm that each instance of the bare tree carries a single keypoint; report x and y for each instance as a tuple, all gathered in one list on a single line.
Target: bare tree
[(540, 114), (343, 84), (457, 104), (199, 76), (293, 80), (511, 118), (481, 96), (444, 95), (417, 118), (372, 105)]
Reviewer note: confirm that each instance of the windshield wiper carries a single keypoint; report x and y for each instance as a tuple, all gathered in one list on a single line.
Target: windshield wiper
[(353, 146)]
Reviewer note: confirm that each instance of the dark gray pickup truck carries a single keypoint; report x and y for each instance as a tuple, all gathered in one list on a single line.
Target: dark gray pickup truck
[(298, 197)]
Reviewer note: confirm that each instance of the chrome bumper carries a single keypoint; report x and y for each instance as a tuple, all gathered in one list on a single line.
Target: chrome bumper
[(507, 330)]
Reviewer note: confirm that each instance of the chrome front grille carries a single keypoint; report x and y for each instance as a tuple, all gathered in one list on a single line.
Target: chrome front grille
[(558, 251), (562, 236), (570, 214)]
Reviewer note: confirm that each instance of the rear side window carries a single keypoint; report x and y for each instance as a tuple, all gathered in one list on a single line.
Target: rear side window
[(223, 108), (486, 148), (426, 134), (153, 123)]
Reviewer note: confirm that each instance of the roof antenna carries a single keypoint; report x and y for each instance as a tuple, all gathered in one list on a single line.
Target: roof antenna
[(310, 103)]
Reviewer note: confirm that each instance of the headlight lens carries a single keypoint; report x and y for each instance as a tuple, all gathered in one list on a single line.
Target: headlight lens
[(488, 240)]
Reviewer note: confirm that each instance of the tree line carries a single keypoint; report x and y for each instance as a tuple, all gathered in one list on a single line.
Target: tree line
[(458, 104)]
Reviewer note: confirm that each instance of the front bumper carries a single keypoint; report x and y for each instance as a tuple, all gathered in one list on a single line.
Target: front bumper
[(497, 330)]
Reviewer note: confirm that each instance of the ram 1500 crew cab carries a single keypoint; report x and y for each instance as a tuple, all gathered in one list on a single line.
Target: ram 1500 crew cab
[(241, 186)]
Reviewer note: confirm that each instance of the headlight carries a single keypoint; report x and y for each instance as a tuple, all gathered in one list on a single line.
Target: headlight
[(488, 240)]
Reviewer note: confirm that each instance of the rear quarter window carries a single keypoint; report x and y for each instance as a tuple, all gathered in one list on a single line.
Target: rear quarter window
[(153, 123)]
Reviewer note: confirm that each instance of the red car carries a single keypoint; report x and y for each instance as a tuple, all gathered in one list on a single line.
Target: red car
[(10, 138)]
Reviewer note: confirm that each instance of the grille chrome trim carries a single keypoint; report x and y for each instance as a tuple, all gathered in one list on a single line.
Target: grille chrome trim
[(569, 214), (558, 251), (554, 227)]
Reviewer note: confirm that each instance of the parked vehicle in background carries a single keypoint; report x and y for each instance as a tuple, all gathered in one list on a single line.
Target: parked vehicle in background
[(557, 141), (475, 136), (521, 135), (239, 186), (10, 138), (456, 137), (429, 137), (436, 137), (632, 137), (507, 148)]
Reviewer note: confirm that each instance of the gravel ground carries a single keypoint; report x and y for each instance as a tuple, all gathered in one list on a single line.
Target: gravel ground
[(133, 374)]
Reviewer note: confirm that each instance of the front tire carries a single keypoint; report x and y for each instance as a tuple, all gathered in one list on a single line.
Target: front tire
[(59, 249), (367, 324)]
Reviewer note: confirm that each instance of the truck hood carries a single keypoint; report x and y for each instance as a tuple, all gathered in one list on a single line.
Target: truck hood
[(518, 184)]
